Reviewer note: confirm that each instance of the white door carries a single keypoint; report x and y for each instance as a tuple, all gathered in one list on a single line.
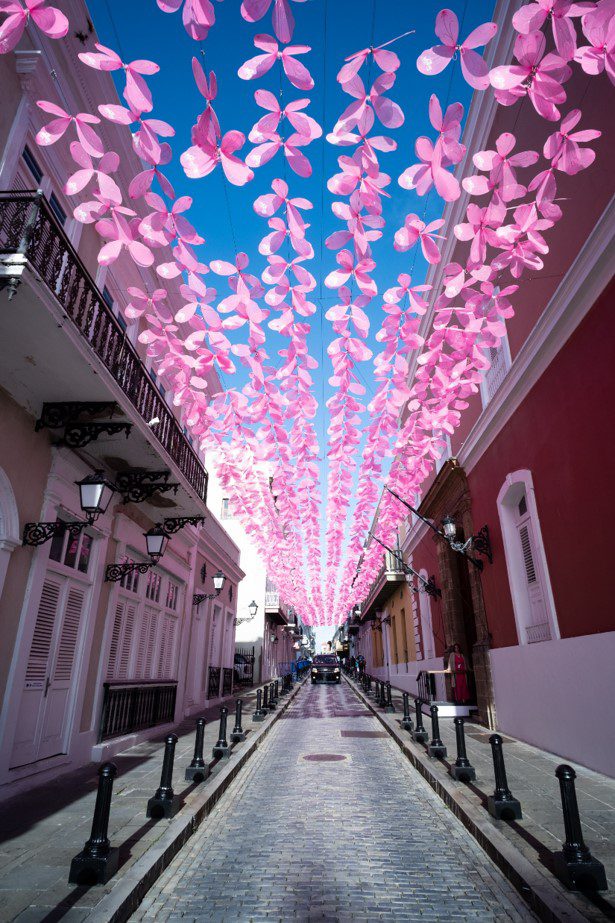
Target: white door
[(536, 622), (43, 717)]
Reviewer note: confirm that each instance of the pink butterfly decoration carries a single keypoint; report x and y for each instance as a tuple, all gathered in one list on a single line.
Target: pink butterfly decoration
[(272, 143), (415, 230), (303, 124), (473, 67), (202, 158), (142, 182), (532, 16), (563, 148), (295, 71), (122, 234), (387, 61), (55, 129), (198, 15), (599, 30), (283, 20), (434, 158), (108, 163), (48, 19), (361, 112), (537, 75), (136, 92), (502, 167)]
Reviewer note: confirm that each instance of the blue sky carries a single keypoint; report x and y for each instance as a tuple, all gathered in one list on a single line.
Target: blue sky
[(334, 29)]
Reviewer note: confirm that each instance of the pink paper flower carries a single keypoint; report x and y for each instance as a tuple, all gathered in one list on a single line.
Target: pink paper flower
[(473, 67), (414, 230), (48, 19), (296, 72)]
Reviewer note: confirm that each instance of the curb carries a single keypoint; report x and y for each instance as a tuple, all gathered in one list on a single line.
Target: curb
[(130, 889), (543, 893)]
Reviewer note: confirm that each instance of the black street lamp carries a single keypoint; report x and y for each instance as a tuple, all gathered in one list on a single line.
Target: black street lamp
[(156, 540), (252, 609), (218, 579), (480, 541), (95, 493)]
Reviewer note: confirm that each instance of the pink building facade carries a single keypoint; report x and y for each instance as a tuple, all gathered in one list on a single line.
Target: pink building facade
[(531, 461), (90, 665)]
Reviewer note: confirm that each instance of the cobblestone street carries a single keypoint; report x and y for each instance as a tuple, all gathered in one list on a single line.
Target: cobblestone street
[(328, 821)]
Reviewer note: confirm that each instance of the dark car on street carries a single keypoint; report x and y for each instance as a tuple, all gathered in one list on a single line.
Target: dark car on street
[(326, 669)]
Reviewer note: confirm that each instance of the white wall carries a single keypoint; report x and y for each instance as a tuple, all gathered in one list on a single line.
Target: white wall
[(558, 695)]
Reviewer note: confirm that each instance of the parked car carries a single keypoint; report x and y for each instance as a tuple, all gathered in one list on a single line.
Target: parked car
[(326, 669)]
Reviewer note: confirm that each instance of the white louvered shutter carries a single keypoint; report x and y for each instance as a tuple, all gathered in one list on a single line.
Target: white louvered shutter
[(38, 658), (70, 633), (127, 635)]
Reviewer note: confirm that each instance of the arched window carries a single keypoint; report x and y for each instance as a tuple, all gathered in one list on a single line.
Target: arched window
[(526, 561)]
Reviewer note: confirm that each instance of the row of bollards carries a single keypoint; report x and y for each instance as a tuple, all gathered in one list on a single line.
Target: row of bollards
[(574, 864), (98, 860)]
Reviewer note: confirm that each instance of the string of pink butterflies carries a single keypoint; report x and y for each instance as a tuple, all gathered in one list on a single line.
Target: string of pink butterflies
[(265, 429)]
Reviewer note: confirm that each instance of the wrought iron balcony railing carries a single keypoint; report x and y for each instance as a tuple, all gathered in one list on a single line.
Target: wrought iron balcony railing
[(29, 227)]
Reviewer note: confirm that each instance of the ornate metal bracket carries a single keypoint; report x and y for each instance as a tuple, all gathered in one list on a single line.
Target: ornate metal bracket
[(174, 524), (115, 572), (137, 484), (61, 413), (248, 618), (429, 587), (199, 598), (78, 435), (482, 543), (37, 533)]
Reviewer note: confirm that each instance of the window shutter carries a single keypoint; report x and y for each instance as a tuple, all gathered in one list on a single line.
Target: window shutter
[(127, 641), (68, 639), (115, 640), (142, 645), (528, 557), (170, 650), (36, 671)]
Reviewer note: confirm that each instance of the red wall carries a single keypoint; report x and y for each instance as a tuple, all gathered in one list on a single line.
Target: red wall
[(564, 433)]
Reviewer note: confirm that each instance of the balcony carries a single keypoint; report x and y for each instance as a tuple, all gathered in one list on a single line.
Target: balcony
[(35, 249), (276, 609), (389, 578)]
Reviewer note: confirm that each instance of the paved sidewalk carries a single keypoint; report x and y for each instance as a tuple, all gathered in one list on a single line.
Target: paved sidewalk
[(531, 778), (42, 829), (330, 822)]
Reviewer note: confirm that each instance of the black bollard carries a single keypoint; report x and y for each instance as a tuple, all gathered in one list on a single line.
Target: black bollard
[(406, 721), (501, 804), (276, 695), (97, 862), (435, 748), (237, 733), (259, 713), (382, 696), (222, 748), (462, 769), (272, 702), (197, 771), (165, 802), (575, 865), (388, 703), (419, 734), (265, 711)]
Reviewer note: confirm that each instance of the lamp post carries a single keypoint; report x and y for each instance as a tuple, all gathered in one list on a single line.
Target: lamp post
[(252, 609)]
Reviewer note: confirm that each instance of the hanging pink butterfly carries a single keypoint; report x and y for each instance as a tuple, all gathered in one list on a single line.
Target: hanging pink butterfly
[(145, 140), (537, 75), (532, 16), (599, 30), (283, 20), (198, 16), (387, 61), (122, 234), (502, 166), (273, 143), (136, 92), (163, 225), (480, 228), (361, 112), (303, 124), (48, 19), (414, 230), (473, 67), (349, 269), (140, 302), (296, 72), (55, 129), (108, 163), (563, 148), (142, 182), (208, 126)]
